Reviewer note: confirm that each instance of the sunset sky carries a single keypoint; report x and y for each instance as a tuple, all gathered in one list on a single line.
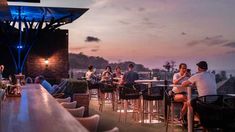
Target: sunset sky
[(151, 32)]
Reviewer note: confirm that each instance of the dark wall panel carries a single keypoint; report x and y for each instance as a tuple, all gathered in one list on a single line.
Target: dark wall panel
[(52, 46)]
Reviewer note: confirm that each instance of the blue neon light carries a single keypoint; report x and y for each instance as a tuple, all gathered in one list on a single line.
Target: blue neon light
[(19, 47)]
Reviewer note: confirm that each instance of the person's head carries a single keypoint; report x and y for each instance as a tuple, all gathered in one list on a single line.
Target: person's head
[(182, 68), (13, 79), (118, 69), (90, 68), (39, 79), (202, 66), (108, 68), (1, 67), (130, 66)]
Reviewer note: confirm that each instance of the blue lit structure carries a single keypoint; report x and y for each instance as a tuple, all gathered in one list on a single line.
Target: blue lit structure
[(27, 22)]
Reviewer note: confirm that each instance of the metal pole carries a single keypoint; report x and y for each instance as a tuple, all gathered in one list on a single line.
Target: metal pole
[(189, 113), (19, 45)]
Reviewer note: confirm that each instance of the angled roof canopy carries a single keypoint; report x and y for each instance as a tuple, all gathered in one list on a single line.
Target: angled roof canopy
[(36, 14)]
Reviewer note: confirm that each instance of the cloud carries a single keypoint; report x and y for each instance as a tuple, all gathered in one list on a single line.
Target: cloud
[(127, 8), (183, 33), (209, 41), (231, 52), (94, 50), (193, 43), (77, 48), (230, 44), (141, 9), (92, 39), (146, 19), (124, 22), (100, 3)]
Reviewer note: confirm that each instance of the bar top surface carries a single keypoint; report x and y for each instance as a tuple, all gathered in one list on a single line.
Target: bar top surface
[(36, 111)]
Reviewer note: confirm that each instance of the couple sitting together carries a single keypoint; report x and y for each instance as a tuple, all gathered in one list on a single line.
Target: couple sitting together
[(203, 80)]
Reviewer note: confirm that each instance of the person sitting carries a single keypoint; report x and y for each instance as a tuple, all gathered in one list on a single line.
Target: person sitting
[(90, 75), (130, 76), (117, 76), (41, 80), (106, 75), (179, 93), (203, 80)]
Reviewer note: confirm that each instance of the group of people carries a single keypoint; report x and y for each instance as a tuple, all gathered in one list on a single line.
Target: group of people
[(203, 80), (117, 77)]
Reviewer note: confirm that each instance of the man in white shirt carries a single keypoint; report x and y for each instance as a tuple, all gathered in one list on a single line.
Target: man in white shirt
[(90, 75), (204, 81)]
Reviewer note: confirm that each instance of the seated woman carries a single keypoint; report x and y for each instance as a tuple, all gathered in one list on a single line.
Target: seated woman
[(106, 82), (117, 76), (179, 93), (107, 75)]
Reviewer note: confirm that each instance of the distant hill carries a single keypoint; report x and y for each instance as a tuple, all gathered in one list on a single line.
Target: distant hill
[(82, 61)]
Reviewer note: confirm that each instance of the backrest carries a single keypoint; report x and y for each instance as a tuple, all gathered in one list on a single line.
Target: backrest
[(115, 129), (68, 99), (78, 112), (215, 111), (90, 123), (69, 105), (141, 87), (29, 80), (104, 87)]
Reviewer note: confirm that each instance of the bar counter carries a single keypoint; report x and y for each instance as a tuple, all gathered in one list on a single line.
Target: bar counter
[(36, 111)]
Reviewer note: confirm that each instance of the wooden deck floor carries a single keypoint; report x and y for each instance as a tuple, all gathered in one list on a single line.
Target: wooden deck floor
[(109, 119)]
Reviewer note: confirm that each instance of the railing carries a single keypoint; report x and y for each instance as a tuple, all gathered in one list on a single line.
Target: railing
[(161, 75)]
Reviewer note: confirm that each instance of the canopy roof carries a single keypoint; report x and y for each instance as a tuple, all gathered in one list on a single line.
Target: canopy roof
[(36, 14)]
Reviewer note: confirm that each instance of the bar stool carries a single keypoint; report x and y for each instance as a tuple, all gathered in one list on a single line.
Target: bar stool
[(149, 96), (69, 105), (171, 104), (60, 100), (216, 112), (129, 93), (106, 88), (93, 86), (77, 112)]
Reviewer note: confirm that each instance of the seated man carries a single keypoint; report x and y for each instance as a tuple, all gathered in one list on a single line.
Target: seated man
[(41, 79), (130, 76), (203, 80)]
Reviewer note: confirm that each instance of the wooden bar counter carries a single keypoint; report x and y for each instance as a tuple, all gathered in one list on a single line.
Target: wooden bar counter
[(36, 111)]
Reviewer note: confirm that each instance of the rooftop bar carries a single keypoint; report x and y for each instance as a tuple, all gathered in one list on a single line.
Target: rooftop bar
[(36, 110)]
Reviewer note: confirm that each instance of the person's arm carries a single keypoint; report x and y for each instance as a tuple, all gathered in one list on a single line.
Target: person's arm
[(177, 79), (186, 83)]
